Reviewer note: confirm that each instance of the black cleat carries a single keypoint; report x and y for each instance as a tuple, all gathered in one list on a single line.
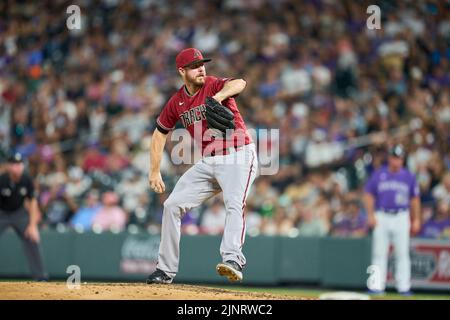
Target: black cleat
[(230, 269), (159, 277), (42, 279)]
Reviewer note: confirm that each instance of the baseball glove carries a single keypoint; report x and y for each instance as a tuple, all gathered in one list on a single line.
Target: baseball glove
[(218, 116)]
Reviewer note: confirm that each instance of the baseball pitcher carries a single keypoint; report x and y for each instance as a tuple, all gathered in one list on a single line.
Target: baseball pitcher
[(391, 193), (206, 107)]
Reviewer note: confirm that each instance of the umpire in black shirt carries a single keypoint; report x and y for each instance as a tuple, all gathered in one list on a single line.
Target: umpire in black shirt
[(19, 210)]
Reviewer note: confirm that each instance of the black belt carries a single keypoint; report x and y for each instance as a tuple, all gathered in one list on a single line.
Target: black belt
[(10, 212), (392, 211)]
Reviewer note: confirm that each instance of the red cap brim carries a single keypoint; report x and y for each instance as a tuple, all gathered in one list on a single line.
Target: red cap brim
[(196, 61)]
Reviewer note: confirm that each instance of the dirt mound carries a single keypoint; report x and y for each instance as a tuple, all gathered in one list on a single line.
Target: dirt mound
[(125, 291)]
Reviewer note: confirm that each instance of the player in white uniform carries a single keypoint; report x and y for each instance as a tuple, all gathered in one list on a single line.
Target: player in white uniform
[(228, 165), (391, 193)]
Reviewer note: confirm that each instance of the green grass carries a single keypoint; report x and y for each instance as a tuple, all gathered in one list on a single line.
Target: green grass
[(315, 293)]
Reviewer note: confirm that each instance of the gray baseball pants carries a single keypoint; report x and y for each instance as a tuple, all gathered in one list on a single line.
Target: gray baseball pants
[(19, 221), (233, 174)]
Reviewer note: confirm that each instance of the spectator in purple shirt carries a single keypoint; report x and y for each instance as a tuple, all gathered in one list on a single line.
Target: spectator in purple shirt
[(351, 222), (438, 227)]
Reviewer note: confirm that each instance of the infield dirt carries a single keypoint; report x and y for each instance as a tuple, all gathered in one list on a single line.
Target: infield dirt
[(126, 291)]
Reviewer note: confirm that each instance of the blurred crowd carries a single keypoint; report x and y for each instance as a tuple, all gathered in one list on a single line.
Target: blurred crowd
[(81, 105)]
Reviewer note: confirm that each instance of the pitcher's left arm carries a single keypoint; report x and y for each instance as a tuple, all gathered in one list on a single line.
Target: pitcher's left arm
[(230, 89)]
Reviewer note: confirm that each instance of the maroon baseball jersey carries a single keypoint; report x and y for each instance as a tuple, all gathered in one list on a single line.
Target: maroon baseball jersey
[(190, 110)]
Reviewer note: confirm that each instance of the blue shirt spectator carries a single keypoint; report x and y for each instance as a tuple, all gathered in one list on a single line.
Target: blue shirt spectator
[(83, 217)]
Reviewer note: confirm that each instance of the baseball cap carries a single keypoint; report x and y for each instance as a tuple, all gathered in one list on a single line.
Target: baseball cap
[(189, 56), (15, 158), (397, 151)]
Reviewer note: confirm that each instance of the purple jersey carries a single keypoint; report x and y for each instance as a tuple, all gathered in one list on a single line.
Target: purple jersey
[(392, 190)]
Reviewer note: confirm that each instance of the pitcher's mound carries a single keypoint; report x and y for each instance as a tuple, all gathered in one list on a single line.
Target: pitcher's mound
[(125, 291)]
